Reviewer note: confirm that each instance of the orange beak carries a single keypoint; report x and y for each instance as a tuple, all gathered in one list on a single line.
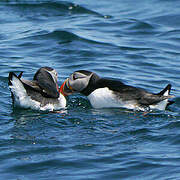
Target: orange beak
[(65, 88), (61, 89)]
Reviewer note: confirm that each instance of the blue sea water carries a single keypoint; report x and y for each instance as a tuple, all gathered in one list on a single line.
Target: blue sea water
[(137, 42)]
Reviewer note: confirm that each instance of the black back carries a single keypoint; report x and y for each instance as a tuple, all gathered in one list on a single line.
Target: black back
[(115, 85)]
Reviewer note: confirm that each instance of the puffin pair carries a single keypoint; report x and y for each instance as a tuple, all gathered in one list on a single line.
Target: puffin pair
[(43, 92)]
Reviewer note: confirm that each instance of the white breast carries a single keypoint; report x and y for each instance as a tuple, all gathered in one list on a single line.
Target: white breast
[(104, 98), (50, 107)]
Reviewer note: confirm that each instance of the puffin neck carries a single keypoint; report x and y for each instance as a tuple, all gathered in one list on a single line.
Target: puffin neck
[(91, 86)]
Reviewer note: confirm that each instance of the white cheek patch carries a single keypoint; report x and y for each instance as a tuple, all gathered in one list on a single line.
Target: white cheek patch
[(79, 84), (79, 81)]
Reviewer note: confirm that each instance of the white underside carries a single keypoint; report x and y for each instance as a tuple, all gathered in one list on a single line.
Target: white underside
[(21, 98), (161, 105), (104, 98)]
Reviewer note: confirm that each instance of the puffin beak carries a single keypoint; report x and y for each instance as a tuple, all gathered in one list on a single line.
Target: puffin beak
[(65, 88)]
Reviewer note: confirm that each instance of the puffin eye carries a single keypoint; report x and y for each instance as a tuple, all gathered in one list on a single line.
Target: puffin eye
[(78, 75), (75, 77)]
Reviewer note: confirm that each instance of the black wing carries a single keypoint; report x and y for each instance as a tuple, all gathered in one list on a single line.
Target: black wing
[(126, 92), (33, 85), (46, 83)]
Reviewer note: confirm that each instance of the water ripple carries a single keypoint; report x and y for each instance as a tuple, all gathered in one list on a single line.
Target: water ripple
[(137, 43), (40, 9)]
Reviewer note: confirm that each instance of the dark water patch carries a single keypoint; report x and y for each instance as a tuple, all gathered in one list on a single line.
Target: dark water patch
[(128, 48), (168, 47), (78, 102), (30, 168), (61, 36), (23, 154), (170, 20), (40, 9), (137, 45), (137, 27), (172, 34), (177, 99), (2, 37), (171, 126)]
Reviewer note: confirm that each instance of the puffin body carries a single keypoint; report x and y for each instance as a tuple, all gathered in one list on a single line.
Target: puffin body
[(106, 93), (41, 93)]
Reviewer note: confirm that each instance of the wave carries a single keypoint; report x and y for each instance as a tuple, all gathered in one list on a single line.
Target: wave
[(58, 34), (46, 8), (62, 36), (170, 20), (140, 27)]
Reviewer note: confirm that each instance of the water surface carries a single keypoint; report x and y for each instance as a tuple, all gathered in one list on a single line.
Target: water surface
[(134, 41)]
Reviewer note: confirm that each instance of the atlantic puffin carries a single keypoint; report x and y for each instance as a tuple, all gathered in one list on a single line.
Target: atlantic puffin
[(41, 93), (107, 93)]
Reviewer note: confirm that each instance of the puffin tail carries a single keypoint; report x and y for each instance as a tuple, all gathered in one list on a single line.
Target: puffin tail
[(16, 86), (10, 77), (166, 92)]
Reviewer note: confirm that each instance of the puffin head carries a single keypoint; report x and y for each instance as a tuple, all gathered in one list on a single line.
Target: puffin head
[(47, 81), (47, 73), (77, 82)]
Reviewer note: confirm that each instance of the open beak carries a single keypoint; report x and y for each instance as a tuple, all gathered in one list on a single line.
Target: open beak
[(65, 88)]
